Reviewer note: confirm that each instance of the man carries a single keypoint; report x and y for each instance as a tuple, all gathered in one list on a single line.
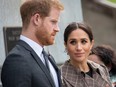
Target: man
[(25, 65)]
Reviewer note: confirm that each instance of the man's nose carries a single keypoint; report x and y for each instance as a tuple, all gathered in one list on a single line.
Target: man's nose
[(57, 29)]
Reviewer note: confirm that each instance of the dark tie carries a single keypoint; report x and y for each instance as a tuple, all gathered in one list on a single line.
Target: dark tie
[(46, 59), (45, 55)]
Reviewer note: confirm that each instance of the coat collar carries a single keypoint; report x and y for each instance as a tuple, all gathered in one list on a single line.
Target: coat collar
[(69, 72), (102, 69)]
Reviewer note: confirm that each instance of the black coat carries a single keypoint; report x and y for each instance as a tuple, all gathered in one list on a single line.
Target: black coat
[(23, 68)]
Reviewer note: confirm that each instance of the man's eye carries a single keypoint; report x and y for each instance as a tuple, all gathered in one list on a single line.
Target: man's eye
[(54, 22), (73, 42)]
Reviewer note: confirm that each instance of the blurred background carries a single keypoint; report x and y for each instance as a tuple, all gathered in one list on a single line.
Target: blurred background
[(101, 15)]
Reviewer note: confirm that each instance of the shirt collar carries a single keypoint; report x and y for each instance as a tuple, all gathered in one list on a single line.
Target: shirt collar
[(35, 46), (94, 66)]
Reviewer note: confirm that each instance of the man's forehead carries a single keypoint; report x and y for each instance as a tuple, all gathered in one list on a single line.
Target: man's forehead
[(55, 19)]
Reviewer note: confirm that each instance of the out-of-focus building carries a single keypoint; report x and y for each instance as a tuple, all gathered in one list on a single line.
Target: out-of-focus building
[(101, 15)]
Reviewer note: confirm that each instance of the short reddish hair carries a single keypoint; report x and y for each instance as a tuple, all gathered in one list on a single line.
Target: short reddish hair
[(43, 7)]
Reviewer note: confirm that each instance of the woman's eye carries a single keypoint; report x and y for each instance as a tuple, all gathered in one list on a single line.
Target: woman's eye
[(73, 42), (83, 41)]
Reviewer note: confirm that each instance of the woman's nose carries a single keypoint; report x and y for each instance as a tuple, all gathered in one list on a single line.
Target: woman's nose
[(78, 47)]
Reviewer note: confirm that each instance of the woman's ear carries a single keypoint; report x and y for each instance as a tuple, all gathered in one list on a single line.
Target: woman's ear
[(65, 44), (92, 44), (65, 48)]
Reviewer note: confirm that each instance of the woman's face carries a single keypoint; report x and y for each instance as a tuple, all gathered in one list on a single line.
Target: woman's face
[(78, 46)]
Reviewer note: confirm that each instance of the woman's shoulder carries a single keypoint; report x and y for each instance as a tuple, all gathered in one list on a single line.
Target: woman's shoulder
[(64, 65), (102, 68), (96, 65)]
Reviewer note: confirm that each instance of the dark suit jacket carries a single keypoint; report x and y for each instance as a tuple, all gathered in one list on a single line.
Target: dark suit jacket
[(23, 68)]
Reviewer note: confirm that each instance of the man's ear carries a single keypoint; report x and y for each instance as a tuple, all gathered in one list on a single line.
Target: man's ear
[(36, 19)]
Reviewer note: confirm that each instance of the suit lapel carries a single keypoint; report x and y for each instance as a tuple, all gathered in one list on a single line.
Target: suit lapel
[(56, 68), (38, 60)]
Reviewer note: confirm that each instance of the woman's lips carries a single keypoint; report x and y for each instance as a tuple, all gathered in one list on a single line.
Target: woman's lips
[(79, 54)]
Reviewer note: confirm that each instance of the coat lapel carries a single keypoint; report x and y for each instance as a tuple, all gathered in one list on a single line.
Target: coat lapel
[(70, 74), (56, 68), (38, 60), (102, 69)]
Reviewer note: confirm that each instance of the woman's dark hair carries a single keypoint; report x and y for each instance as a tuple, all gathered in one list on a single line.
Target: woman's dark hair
[(77, 25), (107, 55)]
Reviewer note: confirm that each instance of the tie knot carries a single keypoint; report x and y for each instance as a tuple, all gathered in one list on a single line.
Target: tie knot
[(43, 52), (46, 59)]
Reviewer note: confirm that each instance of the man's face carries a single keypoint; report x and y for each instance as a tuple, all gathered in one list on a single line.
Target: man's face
[(48, 28)]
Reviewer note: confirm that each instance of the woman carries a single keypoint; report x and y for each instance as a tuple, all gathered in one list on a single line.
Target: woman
[(78, 71), (105, 54)]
